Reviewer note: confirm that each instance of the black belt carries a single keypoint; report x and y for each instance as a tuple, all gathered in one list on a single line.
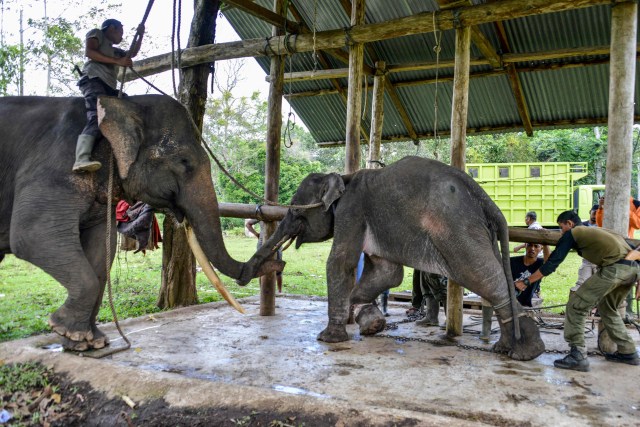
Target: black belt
[(628, 262)]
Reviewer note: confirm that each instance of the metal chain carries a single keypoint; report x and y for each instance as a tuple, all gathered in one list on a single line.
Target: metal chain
[(451, 343)]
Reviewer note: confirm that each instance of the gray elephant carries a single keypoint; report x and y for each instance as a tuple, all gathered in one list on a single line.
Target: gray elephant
[(57, 219), (416, 212)]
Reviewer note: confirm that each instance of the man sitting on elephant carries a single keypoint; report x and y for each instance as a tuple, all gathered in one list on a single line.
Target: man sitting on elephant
[(606, 289), (99, 77)]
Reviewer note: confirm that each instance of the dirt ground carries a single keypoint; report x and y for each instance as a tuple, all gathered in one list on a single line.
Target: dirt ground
[(209, 365)]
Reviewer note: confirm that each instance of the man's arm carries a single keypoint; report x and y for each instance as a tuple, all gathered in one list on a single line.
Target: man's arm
[(565, 244), (545, 252), (91, 51), (249, 225)]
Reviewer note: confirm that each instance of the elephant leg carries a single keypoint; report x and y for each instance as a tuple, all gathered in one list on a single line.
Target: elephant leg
[(94, 244), (378, 275), (341, 278), (47, 236)]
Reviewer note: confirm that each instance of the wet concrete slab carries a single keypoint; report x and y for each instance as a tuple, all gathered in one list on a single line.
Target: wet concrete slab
[(212, 355)]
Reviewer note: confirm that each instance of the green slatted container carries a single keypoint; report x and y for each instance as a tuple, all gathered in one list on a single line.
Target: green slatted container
[(517, 188)]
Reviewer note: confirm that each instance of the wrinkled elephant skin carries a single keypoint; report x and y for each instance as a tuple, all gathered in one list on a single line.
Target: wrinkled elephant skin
[(56, 219), (418, 213)]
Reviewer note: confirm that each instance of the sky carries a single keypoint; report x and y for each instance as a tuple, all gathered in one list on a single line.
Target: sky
[(158, 26)]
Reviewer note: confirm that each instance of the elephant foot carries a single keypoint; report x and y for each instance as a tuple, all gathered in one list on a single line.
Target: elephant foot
[(371, 320), (334, 333), (528, 347), (62, 324)]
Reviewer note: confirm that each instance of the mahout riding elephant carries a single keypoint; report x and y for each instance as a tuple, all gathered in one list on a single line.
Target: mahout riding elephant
[(57, 219), (416, 212)]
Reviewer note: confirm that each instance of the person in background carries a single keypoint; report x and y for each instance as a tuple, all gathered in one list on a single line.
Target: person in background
[(416, 296), (606, 289), (434, 292), (531, 219), (99, 77), (522, 267)]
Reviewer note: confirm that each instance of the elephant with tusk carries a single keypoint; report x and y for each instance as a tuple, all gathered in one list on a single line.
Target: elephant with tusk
[(56, 219), (417, 212)]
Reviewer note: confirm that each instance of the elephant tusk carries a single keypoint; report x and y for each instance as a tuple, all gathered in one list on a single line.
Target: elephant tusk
[(208, 270), (280, 243), (293, 238)]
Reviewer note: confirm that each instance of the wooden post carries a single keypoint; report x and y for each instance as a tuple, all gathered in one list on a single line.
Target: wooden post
[(459, 106), (354, 94), (272, 164), (377, 116), (622, 72)]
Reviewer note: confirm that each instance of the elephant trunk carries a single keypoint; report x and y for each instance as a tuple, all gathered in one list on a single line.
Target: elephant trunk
[(200, 205), (262, 261)]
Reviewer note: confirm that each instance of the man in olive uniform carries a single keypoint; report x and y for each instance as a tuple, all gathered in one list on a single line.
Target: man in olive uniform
[(606, 289)]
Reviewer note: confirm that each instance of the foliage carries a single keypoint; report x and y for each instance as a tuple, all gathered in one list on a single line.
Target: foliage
[(9, 67), (23, 376)]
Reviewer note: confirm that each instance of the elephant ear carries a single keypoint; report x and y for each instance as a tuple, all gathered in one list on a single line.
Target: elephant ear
[(333, 187), (120, 121)]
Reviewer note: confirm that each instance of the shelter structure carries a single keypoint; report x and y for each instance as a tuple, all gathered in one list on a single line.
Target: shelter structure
[(434, 68)]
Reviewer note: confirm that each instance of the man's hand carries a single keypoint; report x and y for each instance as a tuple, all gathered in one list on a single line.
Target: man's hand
[(125, 61), (140, 30), (601, 202), (520, 285)]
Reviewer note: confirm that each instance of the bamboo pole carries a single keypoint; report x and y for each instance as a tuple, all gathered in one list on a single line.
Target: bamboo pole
[(459, 107), (377, 116), (622, 75), (272, 163), (354, 94)]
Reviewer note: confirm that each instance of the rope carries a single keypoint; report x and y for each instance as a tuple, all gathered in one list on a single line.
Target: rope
[(173, 51), (315, 51)]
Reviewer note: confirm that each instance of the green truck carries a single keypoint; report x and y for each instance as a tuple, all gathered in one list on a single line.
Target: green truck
[(546, 188)]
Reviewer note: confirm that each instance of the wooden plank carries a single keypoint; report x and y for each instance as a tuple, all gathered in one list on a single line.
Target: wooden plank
[(622, 74), (365, 33)]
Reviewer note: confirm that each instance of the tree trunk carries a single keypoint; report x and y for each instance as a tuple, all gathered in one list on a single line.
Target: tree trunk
[(179, 269)]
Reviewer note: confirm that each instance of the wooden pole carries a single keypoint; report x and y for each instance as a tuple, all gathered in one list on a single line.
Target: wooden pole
[(272, 163), (622, 75), (377, 116), (354, 94), (459, 106)]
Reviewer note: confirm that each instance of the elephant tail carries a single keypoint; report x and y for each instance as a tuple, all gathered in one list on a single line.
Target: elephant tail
[(502, 230)]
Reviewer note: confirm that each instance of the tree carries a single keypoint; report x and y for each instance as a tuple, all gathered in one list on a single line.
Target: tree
[(178, 263)]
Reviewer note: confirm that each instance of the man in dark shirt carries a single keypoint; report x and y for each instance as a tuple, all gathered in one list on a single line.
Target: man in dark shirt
[(522, 267), (605, 289)]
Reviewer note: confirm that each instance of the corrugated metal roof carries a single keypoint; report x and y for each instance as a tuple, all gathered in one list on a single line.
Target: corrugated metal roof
[(555, 96)]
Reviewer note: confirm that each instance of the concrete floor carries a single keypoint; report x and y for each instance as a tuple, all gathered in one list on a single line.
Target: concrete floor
[(212, 355)]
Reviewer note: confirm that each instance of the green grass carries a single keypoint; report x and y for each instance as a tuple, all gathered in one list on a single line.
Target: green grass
[(28, 296)]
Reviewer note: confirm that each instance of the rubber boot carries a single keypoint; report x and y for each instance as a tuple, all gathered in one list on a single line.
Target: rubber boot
[(576, 360), (84, 146), (384, 298), (431, 309)]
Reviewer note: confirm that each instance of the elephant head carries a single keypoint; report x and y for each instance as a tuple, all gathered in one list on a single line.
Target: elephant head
[(161, 162), (306, 225)]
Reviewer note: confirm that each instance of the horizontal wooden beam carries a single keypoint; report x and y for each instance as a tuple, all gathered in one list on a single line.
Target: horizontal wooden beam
[(264, 14), (507, 59), (240, 210), (516, 127), (277, 213), (366, 33)]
